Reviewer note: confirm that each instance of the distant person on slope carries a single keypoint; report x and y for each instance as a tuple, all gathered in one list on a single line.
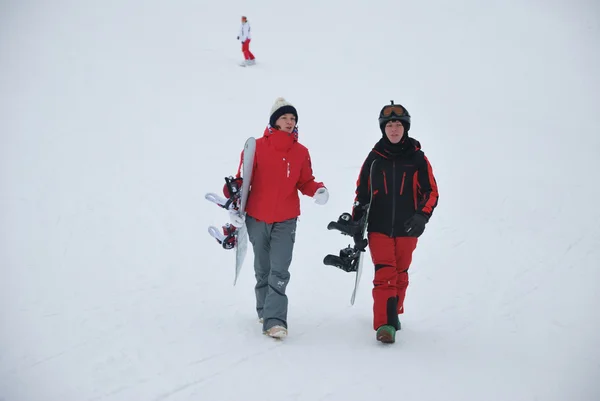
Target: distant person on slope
[(282, 167), (405, 194), (245, 36)]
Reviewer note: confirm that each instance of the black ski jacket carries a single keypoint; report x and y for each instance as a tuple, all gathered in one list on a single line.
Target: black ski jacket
[(403, 184)]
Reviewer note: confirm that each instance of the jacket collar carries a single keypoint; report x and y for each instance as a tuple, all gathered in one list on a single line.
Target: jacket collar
[(405, 148), (280, 140)]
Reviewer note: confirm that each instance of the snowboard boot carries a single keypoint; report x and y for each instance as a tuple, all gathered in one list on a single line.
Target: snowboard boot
[(247, 63), (278, 332), (386, 334)]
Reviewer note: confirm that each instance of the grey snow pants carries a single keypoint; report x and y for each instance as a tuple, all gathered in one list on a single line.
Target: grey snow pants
[(273, 245)]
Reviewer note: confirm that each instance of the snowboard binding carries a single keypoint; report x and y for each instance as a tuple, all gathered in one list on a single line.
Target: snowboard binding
[(232, 191), (347, 260), (228, 238), (349, 257), (354, 229), (346, 226), (233, 194)]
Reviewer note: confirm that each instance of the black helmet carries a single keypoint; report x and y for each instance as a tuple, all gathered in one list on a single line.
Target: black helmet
[(394, 112)]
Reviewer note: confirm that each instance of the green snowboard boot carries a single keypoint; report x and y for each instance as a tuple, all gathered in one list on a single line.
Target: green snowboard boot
[(386, 334)]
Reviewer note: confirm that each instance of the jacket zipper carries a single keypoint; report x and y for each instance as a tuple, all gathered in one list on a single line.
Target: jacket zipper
[(385, 182), (415, 189), (393, 196), (402, 185), (288, 167)]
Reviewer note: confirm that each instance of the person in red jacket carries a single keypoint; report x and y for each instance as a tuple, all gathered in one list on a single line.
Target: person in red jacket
[(282, 167), (405, 194)]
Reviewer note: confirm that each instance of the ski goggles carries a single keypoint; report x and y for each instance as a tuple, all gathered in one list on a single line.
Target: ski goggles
[(393, 109)]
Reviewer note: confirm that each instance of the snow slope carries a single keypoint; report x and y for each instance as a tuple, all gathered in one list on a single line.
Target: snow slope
[(116, 117)]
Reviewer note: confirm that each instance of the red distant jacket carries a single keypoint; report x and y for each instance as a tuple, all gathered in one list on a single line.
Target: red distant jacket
[(282, 167)]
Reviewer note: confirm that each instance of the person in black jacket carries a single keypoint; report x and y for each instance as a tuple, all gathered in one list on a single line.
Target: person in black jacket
[(405, 195)]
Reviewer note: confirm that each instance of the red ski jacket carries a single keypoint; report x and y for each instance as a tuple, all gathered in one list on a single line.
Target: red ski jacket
[(282, 167)]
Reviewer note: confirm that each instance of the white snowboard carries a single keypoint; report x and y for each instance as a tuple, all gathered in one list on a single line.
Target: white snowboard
[(241, 233)]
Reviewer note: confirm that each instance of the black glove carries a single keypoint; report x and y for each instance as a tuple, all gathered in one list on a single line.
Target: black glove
[(415, 226), (238, 38), (360, 243)]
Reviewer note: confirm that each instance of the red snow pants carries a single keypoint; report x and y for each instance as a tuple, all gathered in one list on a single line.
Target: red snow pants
[(392, 258), (246, 50)]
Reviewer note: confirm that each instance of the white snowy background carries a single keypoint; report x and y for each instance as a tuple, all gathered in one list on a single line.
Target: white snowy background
[(116, 117)]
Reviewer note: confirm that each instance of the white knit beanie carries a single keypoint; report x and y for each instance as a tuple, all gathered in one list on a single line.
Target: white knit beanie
[(281, 107)]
